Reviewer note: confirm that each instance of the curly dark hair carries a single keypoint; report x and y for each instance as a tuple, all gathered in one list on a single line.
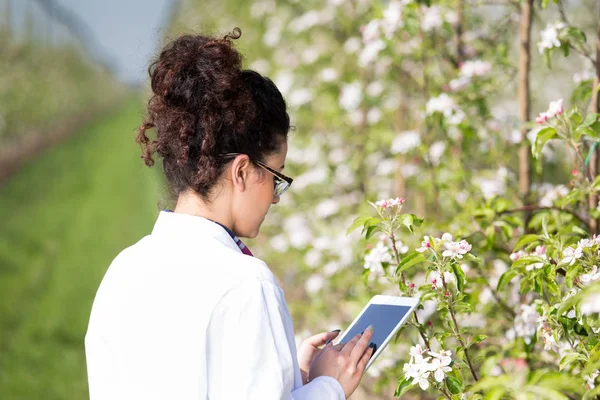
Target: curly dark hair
[(204, 105)]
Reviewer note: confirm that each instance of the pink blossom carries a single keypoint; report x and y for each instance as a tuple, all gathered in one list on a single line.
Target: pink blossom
[(543, 117), (383, 204), (555, 108), (425, 245), (515, 256), (456, 250)]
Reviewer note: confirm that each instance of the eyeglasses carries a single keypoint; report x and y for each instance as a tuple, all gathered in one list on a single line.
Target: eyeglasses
[(281, 182)]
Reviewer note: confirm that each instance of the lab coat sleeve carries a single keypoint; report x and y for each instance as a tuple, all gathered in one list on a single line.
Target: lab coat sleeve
[(248, 354)]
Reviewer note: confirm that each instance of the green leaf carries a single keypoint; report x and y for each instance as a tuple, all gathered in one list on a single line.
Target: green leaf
[(589, 120), (577, 34), (478, 339), (569, 359), (360, 221), (410, 260), (403, 386), (454, 384), (410, 220), (567, 304), (528, 260), (542, 135), (460, 276), (525, 240), (505, 278), (372, 230)]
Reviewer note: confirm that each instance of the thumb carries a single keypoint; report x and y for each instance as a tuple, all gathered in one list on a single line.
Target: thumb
[(323, 338)]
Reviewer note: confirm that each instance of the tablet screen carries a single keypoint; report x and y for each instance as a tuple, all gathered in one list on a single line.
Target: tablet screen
[(383, 317)]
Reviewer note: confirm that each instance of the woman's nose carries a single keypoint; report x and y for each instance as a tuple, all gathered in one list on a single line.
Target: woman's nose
[(275, 199)]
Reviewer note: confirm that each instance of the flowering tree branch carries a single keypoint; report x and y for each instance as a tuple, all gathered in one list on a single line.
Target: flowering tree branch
[(419, 326), (456, 328)]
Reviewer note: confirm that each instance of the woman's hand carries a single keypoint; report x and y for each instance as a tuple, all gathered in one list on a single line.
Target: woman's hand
[(309, 350), (345, 362)]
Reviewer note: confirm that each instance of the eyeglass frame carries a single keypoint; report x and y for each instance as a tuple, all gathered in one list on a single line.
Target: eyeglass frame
[(275, 173)]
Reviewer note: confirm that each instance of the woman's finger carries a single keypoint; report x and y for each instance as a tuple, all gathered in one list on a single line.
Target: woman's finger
[(362, 344), (364, 360), (350, 345)]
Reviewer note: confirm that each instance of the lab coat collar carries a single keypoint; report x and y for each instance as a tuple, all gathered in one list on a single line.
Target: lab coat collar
[(192, 227)]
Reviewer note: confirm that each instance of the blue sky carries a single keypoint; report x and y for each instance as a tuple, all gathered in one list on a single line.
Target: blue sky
[(127, 31)]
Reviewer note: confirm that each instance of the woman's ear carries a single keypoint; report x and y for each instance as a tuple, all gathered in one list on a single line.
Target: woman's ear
[(240, 172)]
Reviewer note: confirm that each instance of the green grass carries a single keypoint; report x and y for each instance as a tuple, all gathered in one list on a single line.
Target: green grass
[(63, 218)]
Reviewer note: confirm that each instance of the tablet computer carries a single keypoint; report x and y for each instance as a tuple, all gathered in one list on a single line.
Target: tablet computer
[(386, 314)]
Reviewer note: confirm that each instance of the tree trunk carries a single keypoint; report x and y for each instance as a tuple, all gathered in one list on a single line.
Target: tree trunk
[(595, 107), (460, 52), (525, 102)]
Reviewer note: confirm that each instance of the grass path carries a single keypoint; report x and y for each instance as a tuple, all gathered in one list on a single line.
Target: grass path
[(63, 218)]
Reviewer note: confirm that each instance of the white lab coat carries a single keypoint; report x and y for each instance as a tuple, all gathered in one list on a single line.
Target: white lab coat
[(184, 315)]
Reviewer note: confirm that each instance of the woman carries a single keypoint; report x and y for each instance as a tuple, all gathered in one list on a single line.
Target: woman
[(188, 312)]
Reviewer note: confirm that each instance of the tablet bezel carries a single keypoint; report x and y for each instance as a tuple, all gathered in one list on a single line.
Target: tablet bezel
[(411, 302)]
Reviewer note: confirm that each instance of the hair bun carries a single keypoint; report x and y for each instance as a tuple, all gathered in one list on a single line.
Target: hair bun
[(195, 69)]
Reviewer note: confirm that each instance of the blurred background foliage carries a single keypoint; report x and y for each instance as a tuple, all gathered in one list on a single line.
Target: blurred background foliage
[(67, 213)]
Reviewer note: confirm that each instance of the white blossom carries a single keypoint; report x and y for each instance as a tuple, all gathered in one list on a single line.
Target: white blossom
[(351, 96), (328, 75), (436, 280), (374, 89), (374, 116), (549, 37), (590, 304), (352, 45), (370, 52), (299, 97), (279, 243), (392, 17), (284, 81), (590, 277), (372, 31), (261, 8), (375, 259), (440, 364), (440, 104), (583, 76), (327, 208), (261, 66), (305, 21), (473, 68), (552, 193), (314, 283), (436, 151), (549, 341), (570, 255), (526, 322), (432, 18), (313, 257), (405, 141), (456, 250), (590, 380)]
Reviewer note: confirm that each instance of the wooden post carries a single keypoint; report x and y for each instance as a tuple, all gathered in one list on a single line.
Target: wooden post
[(525, 102), (595, 107)]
